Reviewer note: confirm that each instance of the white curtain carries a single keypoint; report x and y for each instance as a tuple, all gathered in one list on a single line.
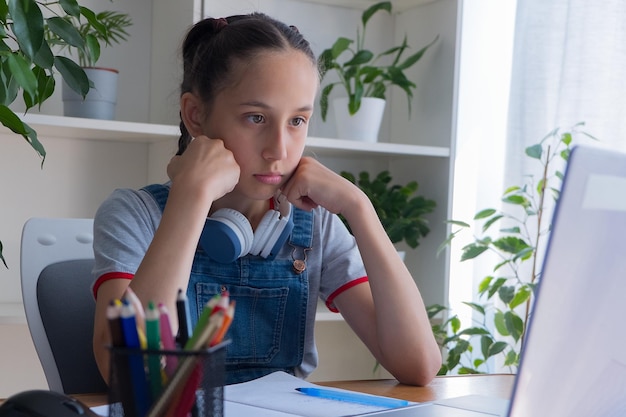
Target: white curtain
[(569, 63)]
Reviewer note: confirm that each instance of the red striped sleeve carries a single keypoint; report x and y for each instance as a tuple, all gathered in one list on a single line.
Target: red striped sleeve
[(331, 299), (109, 276)]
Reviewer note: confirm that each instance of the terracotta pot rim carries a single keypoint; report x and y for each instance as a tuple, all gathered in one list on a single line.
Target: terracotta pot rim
[(103, 69)]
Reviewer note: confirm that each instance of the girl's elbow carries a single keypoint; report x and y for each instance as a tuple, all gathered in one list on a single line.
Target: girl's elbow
[(422, 373)]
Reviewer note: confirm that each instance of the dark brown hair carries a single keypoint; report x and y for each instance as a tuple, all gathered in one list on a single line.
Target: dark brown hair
[(212, 45)]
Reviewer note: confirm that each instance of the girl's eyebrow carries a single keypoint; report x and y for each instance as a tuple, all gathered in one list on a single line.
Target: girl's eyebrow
[(255, 103)]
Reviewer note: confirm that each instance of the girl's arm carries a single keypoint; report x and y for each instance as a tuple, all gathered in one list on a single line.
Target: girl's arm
[(205, 172), (388, 314)]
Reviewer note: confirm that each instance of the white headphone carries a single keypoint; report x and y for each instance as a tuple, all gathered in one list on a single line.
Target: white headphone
[(228, 235)]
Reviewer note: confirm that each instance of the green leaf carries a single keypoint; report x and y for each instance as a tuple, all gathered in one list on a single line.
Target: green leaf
[(484, 284), (22, 73), (484, 214), (458, 223), (338, 48), (499, 322), (70, 7), (512, 359), (514, 324), (473, 331), (10, 120), (367, 14), (534, 151), (496, 348), (411, 60), (475, 307), (28, 25), (455, 324), (93, 48), (4, 10), (521, 296), (464, 370), (511, 244), (472, 250), (506, 293), (496, 286), (44, 57), (2, 257), (485, 344), (491, 221), (66, 31), (73, 75), (434, 309), (516, 199)]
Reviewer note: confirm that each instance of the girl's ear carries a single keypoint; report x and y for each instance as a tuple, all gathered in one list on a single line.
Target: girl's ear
[(191, 113)]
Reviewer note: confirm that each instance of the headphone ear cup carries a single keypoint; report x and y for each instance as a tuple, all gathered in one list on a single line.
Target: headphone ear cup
[(227, 235), (264, 231), (279, 236)]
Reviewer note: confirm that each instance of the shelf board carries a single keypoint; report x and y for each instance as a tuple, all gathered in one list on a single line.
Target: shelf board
[(344, 147), (111, 130), (91, 129), (398, 5)]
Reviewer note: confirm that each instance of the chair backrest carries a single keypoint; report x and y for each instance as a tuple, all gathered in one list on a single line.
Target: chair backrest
[(56, 263)]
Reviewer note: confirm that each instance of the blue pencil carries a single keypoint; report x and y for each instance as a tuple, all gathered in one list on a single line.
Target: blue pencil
[(135, 361), (354, 397)]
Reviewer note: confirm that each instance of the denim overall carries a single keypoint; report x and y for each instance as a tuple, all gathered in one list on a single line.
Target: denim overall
[(268, 328)]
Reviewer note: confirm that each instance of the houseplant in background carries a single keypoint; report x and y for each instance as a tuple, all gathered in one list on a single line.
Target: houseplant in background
[(400, 209), (28, 63), (101, 29), (518, 245), (365, 78)]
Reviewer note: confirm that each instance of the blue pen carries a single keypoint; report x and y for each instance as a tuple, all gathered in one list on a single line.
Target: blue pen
[(135, 361), (354, 397)]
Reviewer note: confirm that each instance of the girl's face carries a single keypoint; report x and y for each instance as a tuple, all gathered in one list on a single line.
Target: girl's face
[(263, 118)]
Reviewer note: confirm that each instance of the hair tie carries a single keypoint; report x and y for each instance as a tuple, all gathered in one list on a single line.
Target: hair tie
[(219, 24), (295, 29)]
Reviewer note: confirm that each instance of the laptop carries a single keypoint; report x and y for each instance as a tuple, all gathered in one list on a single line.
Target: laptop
[(574, 359)]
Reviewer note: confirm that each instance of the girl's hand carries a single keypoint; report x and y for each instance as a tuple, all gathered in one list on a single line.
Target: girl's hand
[(312, 184), (205, 164)]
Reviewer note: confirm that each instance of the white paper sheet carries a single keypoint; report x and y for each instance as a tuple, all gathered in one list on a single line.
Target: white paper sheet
[(277, 391)]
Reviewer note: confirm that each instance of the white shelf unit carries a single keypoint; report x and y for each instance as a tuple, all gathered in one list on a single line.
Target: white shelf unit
[(337, 153)]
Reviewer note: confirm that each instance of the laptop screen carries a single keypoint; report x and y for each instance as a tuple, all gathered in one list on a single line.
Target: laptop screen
[(574, 361)]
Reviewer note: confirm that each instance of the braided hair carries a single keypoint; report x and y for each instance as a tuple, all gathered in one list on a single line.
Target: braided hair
[(212, 45)]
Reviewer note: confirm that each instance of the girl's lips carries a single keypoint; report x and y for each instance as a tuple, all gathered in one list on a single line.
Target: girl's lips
[(271, 179)]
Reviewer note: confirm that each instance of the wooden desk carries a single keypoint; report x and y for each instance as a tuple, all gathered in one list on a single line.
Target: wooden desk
[(441, 387), (498, 385)]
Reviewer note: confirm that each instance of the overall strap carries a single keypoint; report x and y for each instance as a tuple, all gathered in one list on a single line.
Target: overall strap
[(302, 234), (159, 193)]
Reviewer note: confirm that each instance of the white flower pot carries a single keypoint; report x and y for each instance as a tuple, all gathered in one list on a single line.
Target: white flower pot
[(100, 100), (365, 124)]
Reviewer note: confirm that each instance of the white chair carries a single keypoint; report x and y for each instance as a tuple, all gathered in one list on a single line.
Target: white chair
[(56, 263)]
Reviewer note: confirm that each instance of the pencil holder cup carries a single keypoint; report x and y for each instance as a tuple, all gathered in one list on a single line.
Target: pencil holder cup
[(167, 383)]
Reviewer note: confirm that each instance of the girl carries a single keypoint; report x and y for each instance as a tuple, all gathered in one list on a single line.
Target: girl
[(247, 96)]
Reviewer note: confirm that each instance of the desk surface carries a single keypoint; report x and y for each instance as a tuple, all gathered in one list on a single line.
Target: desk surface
[(499, 385)]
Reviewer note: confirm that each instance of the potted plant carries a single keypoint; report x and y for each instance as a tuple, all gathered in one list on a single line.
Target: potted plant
[(400, 210), (28, 63), (500, 322), (364, 75), (105, 28)]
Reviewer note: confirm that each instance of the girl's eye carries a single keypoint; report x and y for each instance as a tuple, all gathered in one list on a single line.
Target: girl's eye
[(298, 121), (256, 118)]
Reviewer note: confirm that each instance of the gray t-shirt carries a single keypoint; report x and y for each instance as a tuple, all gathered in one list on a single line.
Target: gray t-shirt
[(125, 224)]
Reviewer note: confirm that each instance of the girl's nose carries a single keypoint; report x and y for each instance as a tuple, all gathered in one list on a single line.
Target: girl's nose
[(275, 145)]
